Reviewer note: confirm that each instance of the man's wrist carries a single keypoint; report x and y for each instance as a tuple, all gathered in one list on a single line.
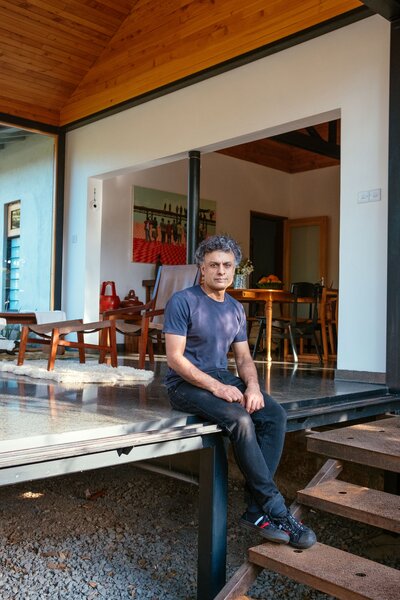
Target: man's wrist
[(253, 385)]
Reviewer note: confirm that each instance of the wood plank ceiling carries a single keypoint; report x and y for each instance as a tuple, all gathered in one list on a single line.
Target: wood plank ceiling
[(62, 60)]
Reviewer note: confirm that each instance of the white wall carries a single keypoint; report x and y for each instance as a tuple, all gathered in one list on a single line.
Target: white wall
[(228, 181), (27, 174), (341, 74)]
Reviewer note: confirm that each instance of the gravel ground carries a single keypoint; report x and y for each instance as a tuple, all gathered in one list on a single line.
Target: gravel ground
[(126, 533)]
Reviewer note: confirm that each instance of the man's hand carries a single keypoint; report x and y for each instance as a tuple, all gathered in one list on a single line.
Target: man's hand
[(230, 393), (253, 400)]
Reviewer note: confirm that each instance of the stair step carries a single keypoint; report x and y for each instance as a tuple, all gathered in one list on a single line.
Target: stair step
[(329, 570), (354, 502), (376, 444)]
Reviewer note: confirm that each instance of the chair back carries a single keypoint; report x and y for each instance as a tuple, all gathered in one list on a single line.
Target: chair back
[(171, 279), (305, 289)]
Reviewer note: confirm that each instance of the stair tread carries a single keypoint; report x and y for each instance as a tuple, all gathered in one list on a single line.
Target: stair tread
[(332, 571), (376, 444), (352, 501)]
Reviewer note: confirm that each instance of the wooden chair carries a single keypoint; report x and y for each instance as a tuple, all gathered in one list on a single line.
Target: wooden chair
[(296, 326), (53, 335), (328, 318), (147, 320)]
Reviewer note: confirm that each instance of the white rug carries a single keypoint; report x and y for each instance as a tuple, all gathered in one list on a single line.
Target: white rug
[(74, 372)]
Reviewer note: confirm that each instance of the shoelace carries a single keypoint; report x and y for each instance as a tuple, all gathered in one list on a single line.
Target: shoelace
[(295, 523), (291, 525)]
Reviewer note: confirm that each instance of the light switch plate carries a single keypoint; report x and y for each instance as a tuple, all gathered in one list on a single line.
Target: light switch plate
[(369, 196)]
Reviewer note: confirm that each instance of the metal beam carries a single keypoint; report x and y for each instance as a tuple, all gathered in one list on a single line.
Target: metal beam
[(193, 203), (310, 143), (211, 571), (59, 218), (211, 563), (389, 9), (393, 271)]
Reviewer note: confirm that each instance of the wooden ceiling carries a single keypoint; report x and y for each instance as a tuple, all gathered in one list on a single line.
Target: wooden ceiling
[(64, 60), (295, 152)]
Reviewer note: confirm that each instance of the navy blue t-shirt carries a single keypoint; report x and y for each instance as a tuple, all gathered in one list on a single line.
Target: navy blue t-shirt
[(210, 328)]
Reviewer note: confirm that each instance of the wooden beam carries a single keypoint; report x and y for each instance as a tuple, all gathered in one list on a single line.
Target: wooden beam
[(332, 132), (307, 142), (240, 582), (314, 133), (330, 570)]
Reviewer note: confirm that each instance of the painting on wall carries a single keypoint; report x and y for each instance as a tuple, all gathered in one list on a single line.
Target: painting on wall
[(160, 224)]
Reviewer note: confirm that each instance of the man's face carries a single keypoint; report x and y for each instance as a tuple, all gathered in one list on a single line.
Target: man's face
[(218, 270)]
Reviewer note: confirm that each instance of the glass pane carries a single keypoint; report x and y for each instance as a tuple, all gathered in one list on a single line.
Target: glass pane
[(304, 255), (26, 220)]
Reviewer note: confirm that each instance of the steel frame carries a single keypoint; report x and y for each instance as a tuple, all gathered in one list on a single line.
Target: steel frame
[(211, 566)]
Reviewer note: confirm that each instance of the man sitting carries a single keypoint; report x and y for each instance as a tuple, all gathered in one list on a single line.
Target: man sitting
[(201, 324)]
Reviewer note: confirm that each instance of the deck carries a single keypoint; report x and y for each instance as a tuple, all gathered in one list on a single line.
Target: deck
[(49, 429)]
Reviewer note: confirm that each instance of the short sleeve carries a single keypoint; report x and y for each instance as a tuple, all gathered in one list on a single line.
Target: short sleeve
[(241, 335), (176, 316)]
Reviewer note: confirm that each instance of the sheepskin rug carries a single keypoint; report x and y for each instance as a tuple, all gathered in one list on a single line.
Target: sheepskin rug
[(75, 372)]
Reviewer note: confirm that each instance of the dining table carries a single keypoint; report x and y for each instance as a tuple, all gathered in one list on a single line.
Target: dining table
[(268, 297)]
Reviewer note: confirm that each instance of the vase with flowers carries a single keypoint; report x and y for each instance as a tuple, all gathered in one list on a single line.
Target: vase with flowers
[(242, 273)]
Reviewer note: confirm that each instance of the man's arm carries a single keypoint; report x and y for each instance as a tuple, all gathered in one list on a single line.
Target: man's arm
[(175, 347), (254, 400)]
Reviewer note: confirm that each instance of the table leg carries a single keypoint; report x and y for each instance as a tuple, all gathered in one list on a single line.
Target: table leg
[(268, 328), (211, 565)]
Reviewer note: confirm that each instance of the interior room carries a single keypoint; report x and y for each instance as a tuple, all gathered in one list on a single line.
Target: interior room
[(279, 180)]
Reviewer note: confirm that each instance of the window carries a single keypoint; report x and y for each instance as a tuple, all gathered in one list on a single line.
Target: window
[(12, 258)]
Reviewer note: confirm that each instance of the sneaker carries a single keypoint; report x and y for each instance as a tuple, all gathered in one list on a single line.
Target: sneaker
[(265, 527), (300, 536)]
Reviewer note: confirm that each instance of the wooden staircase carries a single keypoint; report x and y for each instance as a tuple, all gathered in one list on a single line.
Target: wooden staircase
[(327, 569)]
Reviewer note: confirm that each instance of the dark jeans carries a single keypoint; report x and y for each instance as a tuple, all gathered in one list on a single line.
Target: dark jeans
[(257, 439)]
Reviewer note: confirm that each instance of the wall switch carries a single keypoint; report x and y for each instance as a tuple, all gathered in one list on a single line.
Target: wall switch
[(363, 197), (375, 195), (74, 238), (369, 196)]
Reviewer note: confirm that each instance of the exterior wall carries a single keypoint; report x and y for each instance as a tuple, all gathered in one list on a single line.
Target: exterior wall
[(342, 74), (27, 174)]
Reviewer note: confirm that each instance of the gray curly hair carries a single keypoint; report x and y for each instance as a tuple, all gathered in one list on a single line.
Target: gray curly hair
[(224, 243)]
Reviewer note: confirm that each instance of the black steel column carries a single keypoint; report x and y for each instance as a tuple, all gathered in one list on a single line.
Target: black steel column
[(193, 202), (59, 217), (211, 562), (393, 271)]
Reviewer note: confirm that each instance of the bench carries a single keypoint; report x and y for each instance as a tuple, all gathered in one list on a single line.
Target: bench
[(53, 335)]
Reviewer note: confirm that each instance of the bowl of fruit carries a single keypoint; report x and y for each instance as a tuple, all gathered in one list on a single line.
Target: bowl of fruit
[(270, 282)]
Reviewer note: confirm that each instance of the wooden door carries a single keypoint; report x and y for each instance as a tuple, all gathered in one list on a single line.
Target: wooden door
[(305, 250)]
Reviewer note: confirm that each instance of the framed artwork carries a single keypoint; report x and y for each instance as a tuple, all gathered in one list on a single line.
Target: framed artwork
[(160, 224)]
